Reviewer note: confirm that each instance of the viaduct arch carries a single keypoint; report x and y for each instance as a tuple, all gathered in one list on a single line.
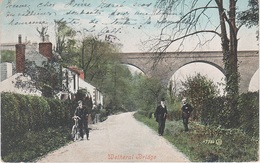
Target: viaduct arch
[(248, 62)]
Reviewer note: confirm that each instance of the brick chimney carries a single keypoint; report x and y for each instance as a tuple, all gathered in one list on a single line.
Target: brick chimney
[(20, 55), (45, 48)]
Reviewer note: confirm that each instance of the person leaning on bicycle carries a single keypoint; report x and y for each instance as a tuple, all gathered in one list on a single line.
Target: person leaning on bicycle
[(83, 121)]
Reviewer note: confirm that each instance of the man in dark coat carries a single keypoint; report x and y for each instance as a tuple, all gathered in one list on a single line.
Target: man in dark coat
[(186, 111), (160, 115)]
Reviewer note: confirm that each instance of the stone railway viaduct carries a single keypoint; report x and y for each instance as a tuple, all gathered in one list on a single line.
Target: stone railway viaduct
[(248, 62)]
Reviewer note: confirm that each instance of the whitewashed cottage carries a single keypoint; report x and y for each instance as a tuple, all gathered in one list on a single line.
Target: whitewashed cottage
[(39, 53)]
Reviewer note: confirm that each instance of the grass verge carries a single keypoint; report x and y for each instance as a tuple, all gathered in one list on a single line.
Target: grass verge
[(208, 144)]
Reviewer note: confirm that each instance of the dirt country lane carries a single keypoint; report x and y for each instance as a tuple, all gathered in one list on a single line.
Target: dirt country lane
[(120, 138)]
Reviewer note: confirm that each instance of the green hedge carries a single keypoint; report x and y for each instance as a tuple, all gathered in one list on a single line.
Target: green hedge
[(21, 114), (248, 107), (212, 111), (248, 112)]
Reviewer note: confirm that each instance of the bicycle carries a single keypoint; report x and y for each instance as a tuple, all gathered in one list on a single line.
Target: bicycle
[(75, 128)]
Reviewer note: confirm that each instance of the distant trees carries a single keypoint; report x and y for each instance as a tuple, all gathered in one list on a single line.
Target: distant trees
[(7, 56), (117, 88), (147, 92)]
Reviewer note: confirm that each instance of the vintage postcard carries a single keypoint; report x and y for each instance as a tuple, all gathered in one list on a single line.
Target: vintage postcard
[(129, 81)]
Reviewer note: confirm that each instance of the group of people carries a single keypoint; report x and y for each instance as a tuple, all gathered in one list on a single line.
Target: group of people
[(161, 115)]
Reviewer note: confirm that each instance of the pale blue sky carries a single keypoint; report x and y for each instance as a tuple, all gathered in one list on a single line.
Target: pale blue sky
[(105, 17)]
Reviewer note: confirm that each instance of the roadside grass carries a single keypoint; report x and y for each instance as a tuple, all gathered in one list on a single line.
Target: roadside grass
[(208, 144), (33, 145)]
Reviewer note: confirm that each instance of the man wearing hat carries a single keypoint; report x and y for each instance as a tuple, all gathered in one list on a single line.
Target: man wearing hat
[(160, 115), (186, 111)]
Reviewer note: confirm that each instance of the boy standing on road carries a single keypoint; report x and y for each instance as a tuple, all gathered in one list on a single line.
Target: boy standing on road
[(83, 121), (160, 115)]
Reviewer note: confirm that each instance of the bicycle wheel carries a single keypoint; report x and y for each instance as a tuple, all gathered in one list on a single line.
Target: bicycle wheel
[(74, 133)]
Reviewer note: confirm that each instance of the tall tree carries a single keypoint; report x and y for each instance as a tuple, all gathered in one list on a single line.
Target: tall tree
[(182, 19), (95, 56), (66, 45), (250, 17)]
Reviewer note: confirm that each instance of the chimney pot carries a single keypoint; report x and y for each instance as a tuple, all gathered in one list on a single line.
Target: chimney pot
[(20, 39)]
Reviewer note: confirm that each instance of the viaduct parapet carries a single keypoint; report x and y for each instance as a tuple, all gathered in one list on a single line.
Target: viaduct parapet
[(248, 62)]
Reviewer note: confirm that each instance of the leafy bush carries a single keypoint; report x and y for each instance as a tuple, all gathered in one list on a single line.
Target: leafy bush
[(198, 89), (21, 114), (248, 113), (212, 111), (248, 108), (60, 112), (38, 113)]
